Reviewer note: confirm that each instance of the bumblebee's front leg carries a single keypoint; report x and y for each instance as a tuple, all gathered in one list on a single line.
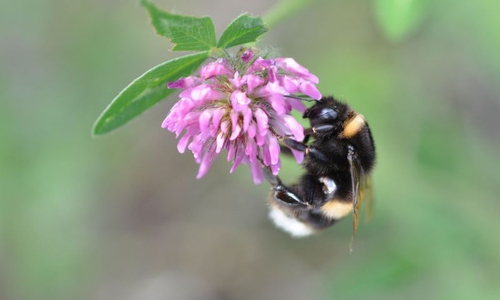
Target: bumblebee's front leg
[(307, 135), (281, 191), (309, 150)]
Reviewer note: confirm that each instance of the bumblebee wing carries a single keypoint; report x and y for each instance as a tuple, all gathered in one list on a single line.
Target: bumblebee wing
[(367, 196), (356, 173)]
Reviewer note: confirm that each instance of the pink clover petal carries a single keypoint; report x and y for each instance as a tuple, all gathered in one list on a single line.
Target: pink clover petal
[(196, 146), (278, 124), (168, 120), (180, 109), (252, 130), (216, 68), (275, 168), (259, 64), (231, 150), (178, 129), (239, 100), (193, 129), (274, 148), (236, 132), (204, 121), (272, 73), (235, 127), (290, 65), (306, 87), (206, 163), (252, 82), (213, 131), (299, 155), (296, 104), (178, 84), (312, 78), (260, 140), (183, 142), (203, 93), (185, 82), (237, 81), (191, 120), (251, 150), (290, 84), (220, 142), (278, 103), (217, 116), (256, 170), (247, 118), (177, 111), (236, 162), (266, 156), (262, 120), (295, 127), (239, 157), (270, 89), (234, 118), (224, 126)]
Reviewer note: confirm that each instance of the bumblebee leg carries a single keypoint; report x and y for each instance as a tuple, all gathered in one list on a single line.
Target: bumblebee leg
[(322, 128), (315, 152), (269, 176), (309, 150), (281, 191), (295, 145), (307, 135), (285, 150), (284, 194)]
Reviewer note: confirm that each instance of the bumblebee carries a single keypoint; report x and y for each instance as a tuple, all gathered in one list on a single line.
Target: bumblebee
[(337, 162)]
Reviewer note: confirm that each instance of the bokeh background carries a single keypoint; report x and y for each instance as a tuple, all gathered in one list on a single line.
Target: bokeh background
[(123, 217)]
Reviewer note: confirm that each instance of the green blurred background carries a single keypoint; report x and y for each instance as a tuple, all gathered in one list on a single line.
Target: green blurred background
[(123, 217)]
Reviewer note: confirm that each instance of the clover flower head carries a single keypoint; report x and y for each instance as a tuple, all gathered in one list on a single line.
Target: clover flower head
[(242, 105)]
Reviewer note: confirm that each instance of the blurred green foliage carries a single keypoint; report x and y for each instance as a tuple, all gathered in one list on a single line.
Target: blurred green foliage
[(399, 18), (122, 217)]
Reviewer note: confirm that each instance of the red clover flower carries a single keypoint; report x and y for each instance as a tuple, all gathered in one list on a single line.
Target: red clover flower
[(241, 104)]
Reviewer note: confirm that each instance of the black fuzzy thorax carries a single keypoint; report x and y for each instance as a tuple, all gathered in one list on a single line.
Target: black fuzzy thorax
[(327, 157), (335, 148)]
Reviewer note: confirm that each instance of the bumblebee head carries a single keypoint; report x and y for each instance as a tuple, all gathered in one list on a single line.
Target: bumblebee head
[(327, 113)]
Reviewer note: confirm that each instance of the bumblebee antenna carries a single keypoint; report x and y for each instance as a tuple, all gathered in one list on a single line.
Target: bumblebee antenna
[(301, 98)]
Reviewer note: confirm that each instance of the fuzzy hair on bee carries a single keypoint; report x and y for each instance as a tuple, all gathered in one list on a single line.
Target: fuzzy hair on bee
[(339, 158)]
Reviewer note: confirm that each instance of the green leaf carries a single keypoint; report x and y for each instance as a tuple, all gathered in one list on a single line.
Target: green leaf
[(244, 29), (185, 32), (398, 18), (146, 91)]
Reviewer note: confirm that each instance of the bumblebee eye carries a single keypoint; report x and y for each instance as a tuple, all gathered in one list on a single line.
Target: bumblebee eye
[(328, 114)]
